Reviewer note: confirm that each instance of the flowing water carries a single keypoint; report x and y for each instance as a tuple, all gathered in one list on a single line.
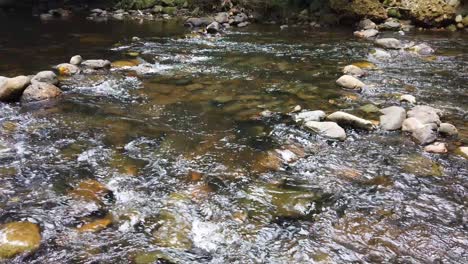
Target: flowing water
[(190, 163)]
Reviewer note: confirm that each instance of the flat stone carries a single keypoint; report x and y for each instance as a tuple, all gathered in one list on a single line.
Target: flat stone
[(346, 119), (388, 43), (436, 147), (327, 129), (392, 118), (367, 24), (368, 33), (350, 82), (96, 64)]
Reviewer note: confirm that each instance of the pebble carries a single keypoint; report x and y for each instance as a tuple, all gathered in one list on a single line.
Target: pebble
[(436, 147)]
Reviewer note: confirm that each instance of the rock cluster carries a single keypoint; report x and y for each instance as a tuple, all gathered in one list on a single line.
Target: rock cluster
[(222, 20)]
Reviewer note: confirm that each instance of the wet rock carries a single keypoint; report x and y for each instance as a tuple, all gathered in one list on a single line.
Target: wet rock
[(353, 71), (92, 191), (392, 118), (411, 124), (360, 8), (425, 114), (429, 12), (76, 60), (425, 134), (437, 147), (369, 108), (422, 49), (388, 43), (463, 151), (174, 230), (345, 119), (18, 238), (222, 17), (448, 129), (291, 203), (307, 116), (11, 89), (213, 28), (366, 24), (240, 18), (96, 225), (67, 69), (45, 77), (327, 129), (422, 166), (198, 22), (390, 24), (380, 54), (243, 24), (39, 91), (368, 33), (408, 98), (96, 64), (350, 82)]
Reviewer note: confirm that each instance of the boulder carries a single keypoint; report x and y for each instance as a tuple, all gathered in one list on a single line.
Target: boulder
[(39, 91), (243, 24), (96, 64), (368, 33), (11, 89), (380, 54), (353, 71), (390, 24), (425, 114), (327, 129), (76, 60), (350, 82), (436, 147), (408, 98), (411, 124), (366, 24), (67, 69), (222, 17), (463, 151), (240, 18), (425, 134), (429, 12), (18, 238), (306, 116), (198, 22), (447, 129), (346, 119), (392, 118), (213, 28), (46, 77), (388, 43)]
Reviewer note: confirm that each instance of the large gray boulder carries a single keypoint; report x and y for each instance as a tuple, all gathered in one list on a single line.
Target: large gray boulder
[(392, 118), (11, 89), (345, 119), (45, 76), (388, 43), (327, 129), (350, 82), (425, 134), (39, 91)]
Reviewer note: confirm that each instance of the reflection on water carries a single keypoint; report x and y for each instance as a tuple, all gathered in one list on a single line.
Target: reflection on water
[(167, 157)]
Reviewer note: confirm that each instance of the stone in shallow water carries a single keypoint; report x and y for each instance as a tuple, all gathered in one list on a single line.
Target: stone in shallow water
[(327, 129), (12, 88), (436, 147), (353, 70), (448, 129), (96, 225), (39, 91), (368, 33), (425, 134), (350, 82), (408, 98), (17, 238), (96, 64), (45, 77), (422, 166), (388, 43), (425, 114), (392, 118), (76, 60), (346, 119), (369, 108), (67, 69), (306, 116), (91, 190)]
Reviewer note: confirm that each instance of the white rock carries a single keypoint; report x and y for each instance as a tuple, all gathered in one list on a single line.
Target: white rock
[(76, 60), (45, 76), (327, 129), (408, 98), (368, 33), (350, 82), (436, 147), (353, 71), (346, 119), (388, 43), (448, 129), (392, 118), (307, 116), (425, 114)]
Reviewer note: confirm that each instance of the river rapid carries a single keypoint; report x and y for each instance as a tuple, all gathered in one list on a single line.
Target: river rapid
[(176, 138)]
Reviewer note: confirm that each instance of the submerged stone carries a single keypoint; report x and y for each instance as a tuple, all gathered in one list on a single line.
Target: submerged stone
[(422, 166), (91, 190), (17, 238), (96, 225)]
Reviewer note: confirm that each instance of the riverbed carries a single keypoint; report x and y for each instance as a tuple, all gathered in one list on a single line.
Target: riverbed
[(184, 152)]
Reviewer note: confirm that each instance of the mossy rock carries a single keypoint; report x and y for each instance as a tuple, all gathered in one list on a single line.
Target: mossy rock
[(422, 166), (170, 10), (152, 257), (96, 225), (360, 8), (144, 4), (91, 190), (17, 238), (393, 12), (174, 230)]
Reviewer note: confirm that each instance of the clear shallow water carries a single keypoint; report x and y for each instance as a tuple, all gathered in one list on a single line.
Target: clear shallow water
[(193, 106)]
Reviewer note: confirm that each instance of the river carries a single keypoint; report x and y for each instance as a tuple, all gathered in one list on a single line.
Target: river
[(181, 147)]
